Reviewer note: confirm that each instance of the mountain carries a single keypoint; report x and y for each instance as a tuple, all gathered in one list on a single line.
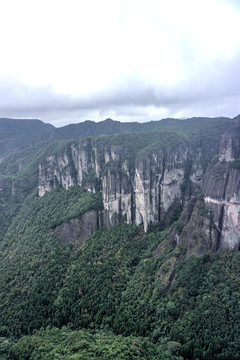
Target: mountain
[(123, 245), (110, 127), (16, 127), (143, 177), (16, 134)]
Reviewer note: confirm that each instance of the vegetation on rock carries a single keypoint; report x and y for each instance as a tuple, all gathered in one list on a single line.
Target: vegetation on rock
[(124, 293)]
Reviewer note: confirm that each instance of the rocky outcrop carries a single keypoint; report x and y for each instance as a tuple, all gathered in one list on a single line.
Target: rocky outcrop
[(213, 222), (141, 188), (230, 142), (221, 189), (223, 199), (139, 191), (78, 229)]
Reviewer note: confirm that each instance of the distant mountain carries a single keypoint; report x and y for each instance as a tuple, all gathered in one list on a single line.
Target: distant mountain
[(17, 134), (110, 127), (16, 127)]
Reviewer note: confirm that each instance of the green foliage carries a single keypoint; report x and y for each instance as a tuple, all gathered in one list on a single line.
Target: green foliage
[(75, 345), (17, 134), (235, 164), (10, 204), (203, 210), (98, 277), (209, 307), (144, 141), (134, 293), (33, 263), (117, 282), (5, 346), (61, 205), (19, 177)]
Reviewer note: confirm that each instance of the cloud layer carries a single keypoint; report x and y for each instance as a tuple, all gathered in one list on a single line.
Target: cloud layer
[(131, 60)]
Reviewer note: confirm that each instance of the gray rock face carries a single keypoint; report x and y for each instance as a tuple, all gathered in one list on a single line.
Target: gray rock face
[(78, 229), (230, 142), (221, 188), (222, 197), (142, 190)]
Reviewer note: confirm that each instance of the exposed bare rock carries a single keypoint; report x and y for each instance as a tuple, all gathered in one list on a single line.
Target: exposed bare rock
[(230, 142), (78, 229), (142, 189), (141, 192)]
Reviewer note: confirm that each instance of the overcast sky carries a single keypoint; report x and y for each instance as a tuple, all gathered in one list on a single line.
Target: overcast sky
[(66, 61)]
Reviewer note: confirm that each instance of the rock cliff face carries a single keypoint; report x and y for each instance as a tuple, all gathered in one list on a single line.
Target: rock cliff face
[(221, 188), (138, 192), (142, 189), (78, 229)]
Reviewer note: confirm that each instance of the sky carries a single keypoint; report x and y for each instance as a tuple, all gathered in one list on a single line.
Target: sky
[(66, 61)]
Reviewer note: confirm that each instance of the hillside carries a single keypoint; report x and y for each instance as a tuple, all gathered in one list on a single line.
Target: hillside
[(122, 246), (18, 135), (15, 134)]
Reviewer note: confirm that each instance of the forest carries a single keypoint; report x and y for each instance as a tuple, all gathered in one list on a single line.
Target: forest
[(122, 293)]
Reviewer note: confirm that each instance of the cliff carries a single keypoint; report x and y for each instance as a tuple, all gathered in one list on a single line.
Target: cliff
[(221, 188), (143, 185), (213, 222), (181, 183), (139, 190)]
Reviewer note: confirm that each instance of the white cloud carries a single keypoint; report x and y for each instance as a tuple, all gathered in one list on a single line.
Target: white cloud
[(106, 56)]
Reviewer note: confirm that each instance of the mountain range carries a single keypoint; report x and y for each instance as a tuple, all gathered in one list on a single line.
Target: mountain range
[(120, 240)]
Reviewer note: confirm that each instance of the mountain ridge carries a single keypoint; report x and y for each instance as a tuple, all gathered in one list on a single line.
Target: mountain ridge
[(134, 239)]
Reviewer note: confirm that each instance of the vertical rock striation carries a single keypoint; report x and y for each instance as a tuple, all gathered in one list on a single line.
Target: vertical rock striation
[(142, 187), (139, 191), (221, 188)]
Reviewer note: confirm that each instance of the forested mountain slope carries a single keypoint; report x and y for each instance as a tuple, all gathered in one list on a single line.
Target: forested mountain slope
[(123, 246), (16, 135)]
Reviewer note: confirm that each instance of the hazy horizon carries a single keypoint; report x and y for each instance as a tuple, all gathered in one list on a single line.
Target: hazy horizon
[(65, 62), (102, 120)]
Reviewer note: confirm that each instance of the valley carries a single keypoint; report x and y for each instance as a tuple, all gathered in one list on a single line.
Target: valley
[(119, 241)]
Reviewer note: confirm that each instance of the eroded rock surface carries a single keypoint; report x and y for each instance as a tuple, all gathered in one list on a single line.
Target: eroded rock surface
[(78, 229), (143, 189)]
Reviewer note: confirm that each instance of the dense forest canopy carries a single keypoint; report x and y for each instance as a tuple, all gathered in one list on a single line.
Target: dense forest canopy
[(168, 291)]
